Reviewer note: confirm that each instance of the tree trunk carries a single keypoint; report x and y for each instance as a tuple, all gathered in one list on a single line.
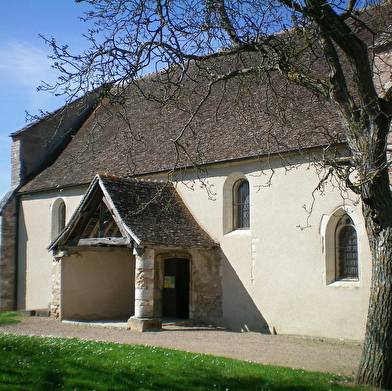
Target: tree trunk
[(376, 362), (367, 140)]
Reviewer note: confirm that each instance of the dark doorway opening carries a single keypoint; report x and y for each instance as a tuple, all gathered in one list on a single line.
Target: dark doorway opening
[(176, 288)]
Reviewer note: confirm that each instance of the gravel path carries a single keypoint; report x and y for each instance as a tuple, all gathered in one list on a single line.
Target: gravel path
[(296, 352)]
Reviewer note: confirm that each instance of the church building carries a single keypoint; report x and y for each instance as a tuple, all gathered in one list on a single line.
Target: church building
[(155, 206)]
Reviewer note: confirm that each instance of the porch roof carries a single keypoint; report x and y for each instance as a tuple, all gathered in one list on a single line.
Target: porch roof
[(140, 213)]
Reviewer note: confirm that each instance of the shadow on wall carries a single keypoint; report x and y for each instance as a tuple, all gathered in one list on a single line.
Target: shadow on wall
[(239, 310)]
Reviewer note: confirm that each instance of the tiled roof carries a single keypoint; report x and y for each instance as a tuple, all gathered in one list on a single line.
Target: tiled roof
[(240, 119), (155, 213), (250, 116), (147, 213)]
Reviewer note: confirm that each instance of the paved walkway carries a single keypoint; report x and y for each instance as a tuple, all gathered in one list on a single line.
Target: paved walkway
[(312, 354)]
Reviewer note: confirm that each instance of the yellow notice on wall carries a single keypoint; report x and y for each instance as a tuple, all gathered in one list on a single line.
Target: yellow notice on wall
[(169, 282)]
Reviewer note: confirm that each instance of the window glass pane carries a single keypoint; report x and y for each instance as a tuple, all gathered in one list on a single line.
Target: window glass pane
[(347, 251), (61, 217), (243, 193), (245, 216), (58, 218), (241, 205)]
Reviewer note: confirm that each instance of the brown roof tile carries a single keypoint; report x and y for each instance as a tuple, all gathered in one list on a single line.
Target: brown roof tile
[(243, 118), (155, 213), (249, 116), (149, 214)]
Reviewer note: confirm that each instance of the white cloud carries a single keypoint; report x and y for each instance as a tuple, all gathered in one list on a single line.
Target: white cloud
[(24, 64), (23, 67)]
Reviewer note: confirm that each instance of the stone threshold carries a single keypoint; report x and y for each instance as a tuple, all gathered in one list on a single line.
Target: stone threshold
[(167, 324)]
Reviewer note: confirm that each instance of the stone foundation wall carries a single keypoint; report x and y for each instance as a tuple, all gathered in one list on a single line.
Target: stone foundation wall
[(7, 256)]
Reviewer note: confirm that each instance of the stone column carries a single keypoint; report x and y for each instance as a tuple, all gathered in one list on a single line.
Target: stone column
[(144, 292), (144, 284), (55, 305)]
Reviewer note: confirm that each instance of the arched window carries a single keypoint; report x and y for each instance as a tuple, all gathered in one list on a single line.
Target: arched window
[(61, 217), (341, 245), (241, 205), (58, 217), (346, 250)]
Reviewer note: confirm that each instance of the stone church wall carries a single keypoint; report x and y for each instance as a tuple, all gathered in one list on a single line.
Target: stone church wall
[(7, 256)]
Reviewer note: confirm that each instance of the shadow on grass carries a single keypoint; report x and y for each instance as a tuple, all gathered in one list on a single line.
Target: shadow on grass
[(34, 363)]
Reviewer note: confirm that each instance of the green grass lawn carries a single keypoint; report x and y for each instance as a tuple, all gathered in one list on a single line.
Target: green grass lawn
[(45, 363), (9, 317)]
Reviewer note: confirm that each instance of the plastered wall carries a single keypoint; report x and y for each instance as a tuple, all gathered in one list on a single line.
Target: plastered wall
[(98, 285), (34, 288), (274, 274)]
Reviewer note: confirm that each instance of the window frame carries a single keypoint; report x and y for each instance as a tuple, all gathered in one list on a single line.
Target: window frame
[(329, 229), (241, 205), (59, 217), (346, 254)]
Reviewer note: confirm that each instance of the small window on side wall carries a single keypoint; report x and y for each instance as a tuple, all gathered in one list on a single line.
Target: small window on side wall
[(58, 218), (341, 246), (346, 253), (241, 205)]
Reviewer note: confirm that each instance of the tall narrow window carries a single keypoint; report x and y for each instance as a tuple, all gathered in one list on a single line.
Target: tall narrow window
[(61, 217), (241, 209), (346, 250), (58, 217)]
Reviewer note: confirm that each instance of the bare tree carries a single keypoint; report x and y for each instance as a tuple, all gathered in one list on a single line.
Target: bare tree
[(328, 47)]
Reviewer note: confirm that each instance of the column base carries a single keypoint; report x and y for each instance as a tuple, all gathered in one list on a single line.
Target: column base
[(144, 324)]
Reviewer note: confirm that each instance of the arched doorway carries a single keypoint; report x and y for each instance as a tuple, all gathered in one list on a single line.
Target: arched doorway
[(175, 293)]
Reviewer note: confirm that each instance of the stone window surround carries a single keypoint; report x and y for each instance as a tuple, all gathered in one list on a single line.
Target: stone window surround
[(328, 233), (228, 201)]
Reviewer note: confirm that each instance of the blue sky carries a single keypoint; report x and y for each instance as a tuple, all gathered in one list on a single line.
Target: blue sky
[(24, 62)]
